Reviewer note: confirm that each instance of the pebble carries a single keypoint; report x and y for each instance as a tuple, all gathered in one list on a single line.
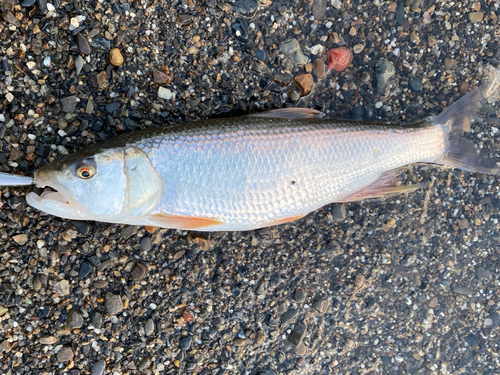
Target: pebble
[(99, 284), (298, 333), (339, 212), (62, 288), (433, 302), (321, 305), (185, 343), (65, 355), (138, 272), (300, 295), (462, 290), (317, 49), (69, 104), (472, 339), (145, 243), (27, 3), (294, 52), (79, 64), (161, 78), (74, 319), (20, 239), (246, 8), (115, 57), (449, 63), (416, 84), (239, 342), (149, 327), (288, 316), (282, 79), (475, 17), (83, 44), (319, 68), (48, 340), (300, 349), (358, 48), (10, 18), (47, 61), (164, 93), (239, 30), (114, 304), (305, 83), (85, 270), (96, 320), (384, 70), (98, 368)]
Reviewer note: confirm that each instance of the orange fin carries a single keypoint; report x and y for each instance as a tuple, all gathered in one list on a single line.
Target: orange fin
[(291, 113), (388, 183), (284, 221), (182, 222)]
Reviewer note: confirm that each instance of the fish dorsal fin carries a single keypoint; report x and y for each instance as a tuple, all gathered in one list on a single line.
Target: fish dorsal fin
[(291, 113), (388, 183)]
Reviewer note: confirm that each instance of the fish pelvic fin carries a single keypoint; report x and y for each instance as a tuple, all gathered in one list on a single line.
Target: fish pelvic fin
[(457, 118), (388, 183), (182, 222)]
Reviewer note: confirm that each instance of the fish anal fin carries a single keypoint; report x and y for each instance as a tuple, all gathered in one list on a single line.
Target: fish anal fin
[(291, 113), (182, 222), (283, 221), (387, 184)]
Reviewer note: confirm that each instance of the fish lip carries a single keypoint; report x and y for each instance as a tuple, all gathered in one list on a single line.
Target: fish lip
[(60, 195)]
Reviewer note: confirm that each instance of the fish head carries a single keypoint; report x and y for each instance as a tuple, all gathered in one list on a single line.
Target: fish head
[(110, 184)]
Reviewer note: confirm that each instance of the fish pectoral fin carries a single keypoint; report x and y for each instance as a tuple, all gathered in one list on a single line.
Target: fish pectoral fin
[(283, 221), (291, 113), (388, 183), (181, 222)]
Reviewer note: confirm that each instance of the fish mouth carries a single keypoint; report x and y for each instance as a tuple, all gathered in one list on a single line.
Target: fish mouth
[(55, 200)]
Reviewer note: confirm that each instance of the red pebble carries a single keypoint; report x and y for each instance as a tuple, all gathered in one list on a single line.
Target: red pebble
[(339, 58)]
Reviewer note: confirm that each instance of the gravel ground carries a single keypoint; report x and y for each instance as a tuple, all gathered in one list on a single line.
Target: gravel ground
[(404, 285)]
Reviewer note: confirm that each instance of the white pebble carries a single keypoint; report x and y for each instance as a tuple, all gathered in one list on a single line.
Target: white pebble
[(379, 105), (51, 7), (30, 64), (164, 93), (32, 137), (62, 150), (9, 97), (317, 49), (2, 117), (74, 24), (46, 61), (252, 25)]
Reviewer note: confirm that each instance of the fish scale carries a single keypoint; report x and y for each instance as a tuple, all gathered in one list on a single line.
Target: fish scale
[(259, 170)]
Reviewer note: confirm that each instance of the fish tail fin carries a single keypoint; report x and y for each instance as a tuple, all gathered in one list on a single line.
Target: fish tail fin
[(460, 152)]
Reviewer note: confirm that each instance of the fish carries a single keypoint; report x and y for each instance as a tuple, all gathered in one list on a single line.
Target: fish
[(254, 171)]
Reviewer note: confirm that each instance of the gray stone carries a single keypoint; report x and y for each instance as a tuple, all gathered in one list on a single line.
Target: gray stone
[(462, 290), (288, 316), (321, 305), (185, 343), (99, 367), (292, 49), (298, 333), (74, 320), (69, 104), (83, 44), (96, 320), (65, 355), (339, 212), (114, 304), (300, 295), (384, 70), (79, 64), (145, 243), (149, 327)]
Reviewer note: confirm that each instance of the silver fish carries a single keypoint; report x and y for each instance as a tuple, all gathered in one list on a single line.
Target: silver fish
[(253, 171)]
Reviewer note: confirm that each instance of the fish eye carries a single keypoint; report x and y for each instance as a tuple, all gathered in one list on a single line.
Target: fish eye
[(85, 172)]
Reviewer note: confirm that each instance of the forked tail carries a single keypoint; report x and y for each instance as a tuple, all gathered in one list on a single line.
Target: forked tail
[(460, 152)]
